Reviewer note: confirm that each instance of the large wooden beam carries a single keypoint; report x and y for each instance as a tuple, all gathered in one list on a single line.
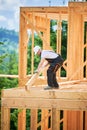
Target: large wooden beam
[(60, 99), (60, 104), (41, 10)]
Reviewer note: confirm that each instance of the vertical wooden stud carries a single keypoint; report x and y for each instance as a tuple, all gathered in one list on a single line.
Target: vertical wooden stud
[(5, 118), (65, 120), (32, 53), (33, 121), (22, 120), (44, 124), (85, 121), (23, 40), (55, 120)]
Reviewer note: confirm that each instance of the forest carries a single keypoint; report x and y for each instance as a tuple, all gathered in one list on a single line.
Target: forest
[(9, 59)]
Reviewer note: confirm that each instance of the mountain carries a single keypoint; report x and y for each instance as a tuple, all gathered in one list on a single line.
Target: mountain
[(10, 40), (8, 34)]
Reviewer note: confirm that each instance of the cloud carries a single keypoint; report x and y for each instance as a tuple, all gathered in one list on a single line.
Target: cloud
[(2, 18), (9, 10), (10, 24), (9, 4)]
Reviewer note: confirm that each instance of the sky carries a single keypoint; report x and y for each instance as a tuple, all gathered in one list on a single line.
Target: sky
[(10, 10)]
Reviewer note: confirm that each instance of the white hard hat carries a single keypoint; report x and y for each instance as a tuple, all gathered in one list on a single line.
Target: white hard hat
[(36, 49)]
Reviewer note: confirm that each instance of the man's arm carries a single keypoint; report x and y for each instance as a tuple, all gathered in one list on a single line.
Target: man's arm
[(43, 63)]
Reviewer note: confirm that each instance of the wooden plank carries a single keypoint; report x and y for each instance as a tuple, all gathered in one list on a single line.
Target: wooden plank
[(60, 104), (78, 94), (32, 46), (33, 79), (80, 120), (65, 120), (33, 120), (85, 121), (70, 82), (73, 68), (55, 123), (57, 10), (5, 118), (23, 40), (44, 119), (9, 76), (22, 119), (74, 120)]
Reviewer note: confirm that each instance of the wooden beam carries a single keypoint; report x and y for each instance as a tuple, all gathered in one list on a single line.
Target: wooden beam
[(75, 98), (55, 120), (63, 10), (9, 76), (44, 119), (5, 118), (23, 51), (22, 119), (85, 120), (38, 28), (60, 104), (35, 28), (33, 120), (78, 92)]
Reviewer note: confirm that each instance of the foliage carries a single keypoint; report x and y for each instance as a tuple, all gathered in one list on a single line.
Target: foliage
[(8, 58), (14, 117), (8, 34)]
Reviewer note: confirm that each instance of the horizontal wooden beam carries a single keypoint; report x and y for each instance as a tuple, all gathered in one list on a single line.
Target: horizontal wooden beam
[(79, 93), (37, 97), (61, 104), (38, 28), (45, 9), (9, 76)]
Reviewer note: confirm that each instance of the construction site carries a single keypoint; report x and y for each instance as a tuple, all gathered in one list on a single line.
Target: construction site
[(64, 108)]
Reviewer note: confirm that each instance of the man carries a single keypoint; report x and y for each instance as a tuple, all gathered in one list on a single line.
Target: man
[(54, 60)]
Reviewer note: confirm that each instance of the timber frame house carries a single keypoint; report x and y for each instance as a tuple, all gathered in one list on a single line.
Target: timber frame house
[(71, 98)]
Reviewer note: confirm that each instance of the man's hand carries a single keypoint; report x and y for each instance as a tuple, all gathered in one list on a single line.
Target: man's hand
[(36, 71)]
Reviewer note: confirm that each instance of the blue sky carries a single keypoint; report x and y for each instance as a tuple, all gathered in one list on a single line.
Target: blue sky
[(9, 10)]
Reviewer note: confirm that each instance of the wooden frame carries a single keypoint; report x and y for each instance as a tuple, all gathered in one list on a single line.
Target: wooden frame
[(72, 95)]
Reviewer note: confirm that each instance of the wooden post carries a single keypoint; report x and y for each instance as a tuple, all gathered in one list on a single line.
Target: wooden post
[(44, 119), (75, 43), (86, 51), (55, 119), (65, 120), (46, 34), (22, 67), (85, 121), (58, 49), (75, 58), (5, 118), (23, 51), (22, 120), (32, 53), (33, 121)]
